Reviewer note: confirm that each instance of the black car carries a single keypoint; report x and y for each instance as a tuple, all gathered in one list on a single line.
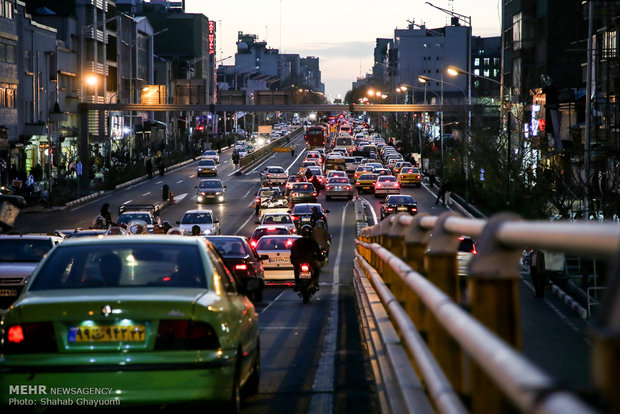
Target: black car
[(302, 193), (397, 203), (301, 214), (210, 190), (241, 259)]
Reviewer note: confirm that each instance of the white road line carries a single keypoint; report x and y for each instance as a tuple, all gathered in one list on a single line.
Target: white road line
[(295, 160), (372, 210), (259, 165), (323, 386), (192, 176), (180, 197), (147, 193), (274, 301), (244, 223), (127, 202), (234, 172), (179, 182), (159, 182), (97, 200), (248, 193)]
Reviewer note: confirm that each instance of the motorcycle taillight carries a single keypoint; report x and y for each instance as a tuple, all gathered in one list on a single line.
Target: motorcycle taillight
[(305, 268)]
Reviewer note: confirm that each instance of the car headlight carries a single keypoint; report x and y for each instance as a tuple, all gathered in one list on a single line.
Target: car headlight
[(221, 198), (218, 193)]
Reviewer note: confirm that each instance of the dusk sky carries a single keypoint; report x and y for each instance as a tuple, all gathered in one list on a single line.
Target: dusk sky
[(341, 33)]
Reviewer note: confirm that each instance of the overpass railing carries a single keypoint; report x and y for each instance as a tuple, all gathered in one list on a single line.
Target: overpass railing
[(464, 344)]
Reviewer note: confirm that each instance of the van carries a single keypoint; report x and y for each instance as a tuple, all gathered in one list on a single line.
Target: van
[(345, 142)]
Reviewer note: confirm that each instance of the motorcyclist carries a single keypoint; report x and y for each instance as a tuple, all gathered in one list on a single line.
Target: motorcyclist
[(306, 250), (105, 213), (99, 223), (321, 236), (316, 216)]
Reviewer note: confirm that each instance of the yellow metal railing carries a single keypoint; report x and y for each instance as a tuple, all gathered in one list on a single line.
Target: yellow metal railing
[(478, 348)]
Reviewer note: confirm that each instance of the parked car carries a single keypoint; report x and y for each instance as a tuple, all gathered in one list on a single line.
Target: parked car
[(398, 203), (210, 190), (206, 167), (386, 184), (205, 219), (134, 313), (339, 187), (211, 155), (242, 260), (19, 256), (277, 266)]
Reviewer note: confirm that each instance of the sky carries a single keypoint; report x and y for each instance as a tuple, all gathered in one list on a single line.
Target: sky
[(342, 33)]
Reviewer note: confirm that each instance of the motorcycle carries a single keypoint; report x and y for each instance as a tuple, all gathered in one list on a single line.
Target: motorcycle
[(306, 286)]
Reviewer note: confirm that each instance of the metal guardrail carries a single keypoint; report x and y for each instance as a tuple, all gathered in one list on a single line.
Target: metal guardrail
[(477, 349)]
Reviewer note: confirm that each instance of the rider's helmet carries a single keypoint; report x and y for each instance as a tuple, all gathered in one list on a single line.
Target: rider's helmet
[(116, 231), (100, 223), (137, 227), (306, 230), (177, 231)]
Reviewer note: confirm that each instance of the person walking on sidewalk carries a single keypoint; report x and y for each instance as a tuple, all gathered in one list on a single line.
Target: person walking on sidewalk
[(443, 189)]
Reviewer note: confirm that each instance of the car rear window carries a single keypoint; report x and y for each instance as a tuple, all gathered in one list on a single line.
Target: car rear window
[(400, 200), (275, 243), (122, 265), (269, 231), (384, 179), (197, 218), (338, 180), (276, 170)]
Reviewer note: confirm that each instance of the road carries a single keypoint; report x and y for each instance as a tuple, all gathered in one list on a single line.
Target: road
[(312, 357)]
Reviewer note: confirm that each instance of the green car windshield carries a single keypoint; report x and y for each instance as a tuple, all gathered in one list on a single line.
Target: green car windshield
[(122, 265)]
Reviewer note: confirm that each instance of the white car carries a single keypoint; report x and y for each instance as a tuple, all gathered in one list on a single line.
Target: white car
[(386, 184), (278, 219), (273, 175), (211, 155), (278, 266), (205, 219)]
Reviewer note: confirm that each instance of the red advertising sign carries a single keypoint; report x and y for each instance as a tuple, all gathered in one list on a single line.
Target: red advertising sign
[(211, 37)]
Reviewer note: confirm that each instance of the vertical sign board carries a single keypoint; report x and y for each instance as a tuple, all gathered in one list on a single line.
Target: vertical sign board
[(211, 37)]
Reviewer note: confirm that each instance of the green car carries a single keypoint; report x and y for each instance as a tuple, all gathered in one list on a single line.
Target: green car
[(133, 320)]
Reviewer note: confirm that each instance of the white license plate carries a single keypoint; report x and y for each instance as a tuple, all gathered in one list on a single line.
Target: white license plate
[(402, 209), (304, 219), (8, 292), (305, 275), (278, 261)]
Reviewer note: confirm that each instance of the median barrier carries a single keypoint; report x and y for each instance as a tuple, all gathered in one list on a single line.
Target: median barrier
[(411, 264)]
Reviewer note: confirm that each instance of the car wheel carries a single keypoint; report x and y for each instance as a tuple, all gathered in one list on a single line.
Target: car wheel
[(233, 406)]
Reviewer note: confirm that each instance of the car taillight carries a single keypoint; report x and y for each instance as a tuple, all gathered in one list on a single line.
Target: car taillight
[(347, 187), (329, 187), (414, 209), (253, 243), (28, 338), (295, 218), (378, 185), (271, 228), (241, 266), (185, 334), (397, 185), (313, 194), (257, 200), (390, 209), (289, 243), (305, 268)]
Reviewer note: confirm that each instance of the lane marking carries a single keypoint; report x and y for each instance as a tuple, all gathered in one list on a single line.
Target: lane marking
[(159, 182), (147, 193), (244, 223), (323, 386), (179, 182), (180, 197), (127, 202), (274, 301)]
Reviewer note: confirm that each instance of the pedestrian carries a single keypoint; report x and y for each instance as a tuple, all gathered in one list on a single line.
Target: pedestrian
[(105, 213), (292, 152), (537, 272), (443, 189), (149, 166), (431, 177)]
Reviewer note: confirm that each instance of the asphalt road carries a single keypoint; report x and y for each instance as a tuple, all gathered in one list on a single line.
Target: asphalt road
[(312, 357)]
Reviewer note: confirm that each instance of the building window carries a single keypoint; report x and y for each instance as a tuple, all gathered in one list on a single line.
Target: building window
[(609, 44), (10, 97), (487, 61), (477, 72), (477, 62), (517, 30), (496, 61), (487, 72), (6, 9), (495, 73)]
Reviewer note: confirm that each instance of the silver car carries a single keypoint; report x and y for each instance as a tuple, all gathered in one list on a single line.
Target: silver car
[(19, 256), (339, 187)]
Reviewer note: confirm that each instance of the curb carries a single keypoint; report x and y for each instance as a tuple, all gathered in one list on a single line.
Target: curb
[(569, 301)]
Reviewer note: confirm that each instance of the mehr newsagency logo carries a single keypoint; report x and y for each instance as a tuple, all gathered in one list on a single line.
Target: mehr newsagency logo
[(42, 395)]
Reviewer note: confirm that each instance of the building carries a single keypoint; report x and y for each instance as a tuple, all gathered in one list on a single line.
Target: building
[(9, 82)]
